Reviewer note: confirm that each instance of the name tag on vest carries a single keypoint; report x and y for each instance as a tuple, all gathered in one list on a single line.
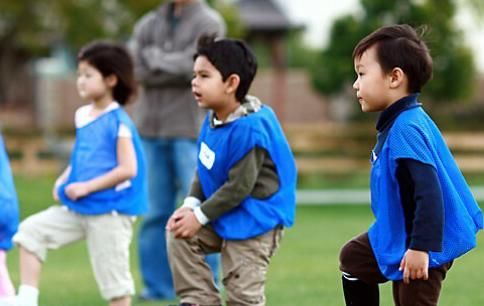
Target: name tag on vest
[(206, 156)]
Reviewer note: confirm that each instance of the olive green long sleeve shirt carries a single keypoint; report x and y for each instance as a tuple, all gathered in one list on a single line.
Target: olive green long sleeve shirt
[(255, 175)]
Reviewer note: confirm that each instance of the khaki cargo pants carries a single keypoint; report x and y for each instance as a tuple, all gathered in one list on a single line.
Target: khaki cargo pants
[(244, 266)]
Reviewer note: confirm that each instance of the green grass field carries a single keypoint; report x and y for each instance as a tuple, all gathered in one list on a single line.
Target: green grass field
[(303, 272)]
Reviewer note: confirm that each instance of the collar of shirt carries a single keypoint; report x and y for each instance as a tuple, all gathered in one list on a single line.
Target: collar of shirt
[(167, 9), (83, 116), (250, 105), (389, 115)]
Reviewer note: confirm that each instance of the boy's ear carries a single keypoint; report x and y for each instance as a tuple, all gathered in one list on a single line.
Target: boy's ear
[(232, 83), (397, 78), (111, 80)]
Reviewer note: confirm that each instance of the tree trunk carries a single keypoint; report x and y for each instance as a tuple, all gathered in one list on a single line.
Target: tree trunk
[(16, 80)]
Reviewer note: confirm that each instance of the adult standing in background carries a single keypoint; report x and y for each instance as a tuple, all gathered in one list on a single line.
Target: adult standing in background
[(168, 119)]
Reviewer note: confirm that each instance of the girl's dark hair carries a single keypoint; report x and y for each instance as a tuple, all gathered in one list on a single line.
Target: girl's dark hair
[(230, 56), (400, 46), (112, 59)]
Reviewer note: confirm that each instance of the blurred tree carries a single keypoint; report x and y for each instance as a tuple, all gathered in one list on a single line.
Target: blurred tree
[(477, 7), (299, 55), (235, 27), (454, 71), (30, 28), (17, 29)]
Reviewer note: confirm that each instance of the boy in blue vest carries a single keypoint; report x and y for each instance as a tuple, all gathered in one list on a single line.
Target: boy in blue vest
[(243, 193), (425, 213)]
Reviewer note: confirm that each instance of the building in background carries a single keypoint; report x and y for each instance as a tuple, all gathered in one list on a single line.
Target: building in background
[(288, 92)]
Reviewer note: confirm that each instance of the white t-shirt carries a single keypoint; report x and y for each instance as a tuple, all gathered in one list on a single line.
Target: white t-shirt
[(83, 117)]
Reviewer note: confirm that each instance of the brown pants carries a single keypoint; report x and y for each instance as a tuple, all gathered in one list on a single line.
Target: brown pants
[(357, 259), (244, 266)]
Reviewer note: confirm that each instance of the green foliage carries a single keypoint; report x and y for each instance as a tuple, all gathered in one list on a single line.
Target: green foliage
[(35, 25), (334, 69), (477, 7), (454, 72), (235, 28), (298, 54), (33, 28)]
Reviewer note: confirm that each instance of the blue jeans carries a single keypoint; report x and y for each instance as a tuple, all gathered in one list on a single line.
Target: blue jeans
[(171, 164)]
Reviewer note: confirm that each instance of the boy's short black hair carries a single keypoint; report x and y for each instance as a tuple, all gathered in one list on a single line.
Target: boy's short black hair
[(229, 56), (400, 46)]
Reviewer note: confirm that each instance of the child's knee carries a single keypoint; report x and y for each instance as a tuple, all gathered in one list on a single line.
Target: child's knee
[(245, 285), (345, 255), (29, 238), (176, 247)]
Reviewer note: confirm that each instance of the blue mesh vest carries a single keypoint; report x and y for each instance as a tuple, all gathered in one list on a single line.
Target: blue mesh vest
[(415, 136), (8, 202), (222, 147), (95, 154)]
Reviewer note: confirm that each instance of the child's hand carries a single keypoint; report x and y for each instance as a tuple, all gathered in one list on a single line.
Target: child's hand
[(174, 217), (55, 189), (415, 265), (183, 224), (75, 191)]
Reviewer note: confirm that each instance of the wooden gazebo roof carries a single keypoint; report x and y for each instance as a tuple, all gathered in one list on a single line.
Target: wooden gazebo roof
[(263, 17)]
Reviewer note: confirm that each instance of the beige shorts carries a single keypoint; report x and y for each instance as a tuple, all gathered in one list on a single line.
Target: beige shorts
[(108, 237)]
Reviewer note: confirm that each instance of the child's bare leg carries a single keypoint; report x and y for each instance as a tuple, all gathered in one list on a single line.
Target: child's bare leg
[(123, 301), (6, 286), (30, 267)]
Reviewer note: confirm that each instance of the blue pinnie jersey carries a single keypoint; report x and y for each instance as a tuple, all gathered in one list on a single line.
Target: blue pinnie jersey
[(415, 136), (222, 147), (94, 154), (9, 214)]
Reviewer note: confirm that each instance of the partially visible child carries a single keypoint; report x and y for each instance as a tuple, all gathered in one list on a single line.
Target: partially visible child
[(102, 189), (8, 220), (243, 193), (426, 216)]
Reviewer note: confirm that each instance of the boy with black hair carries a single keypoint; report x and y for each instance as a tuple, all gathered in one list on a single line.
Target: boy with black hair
[(163, 43), (243, 193), (426, 215)]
